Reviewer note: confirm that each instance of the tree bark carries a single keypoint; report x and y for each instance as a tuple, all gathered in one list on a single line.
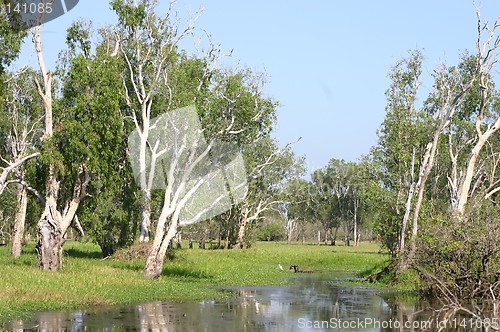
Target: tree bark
[(334, 237), (50, 243), (356, 230), (19, 223), (241, 229), (52, 226), (146, 218), (178, 240), (465, 185), (49, 232), (156, 257), (290, 226), (411, 193)]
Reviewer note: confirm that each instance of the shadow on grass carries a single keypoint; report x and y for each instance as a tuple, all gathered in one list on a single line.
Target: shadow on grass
[(360, 252), (168, 271), (76, 253), (180, 272)]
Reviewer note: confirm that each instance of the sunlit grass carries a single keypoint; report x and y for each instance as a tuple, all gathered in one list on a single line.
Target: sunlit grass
[(88, 280)]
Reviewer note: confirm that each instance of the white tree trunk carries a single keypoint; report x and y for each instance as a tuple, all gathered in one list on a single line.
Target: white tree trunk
[(145, 225), (290, 228), (411, 193), (240, 239), (19, 222), (465, 185)]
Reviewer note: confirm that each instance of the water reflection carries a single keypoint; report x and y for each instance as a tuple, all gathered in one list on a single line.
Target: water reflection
[(312, 303)]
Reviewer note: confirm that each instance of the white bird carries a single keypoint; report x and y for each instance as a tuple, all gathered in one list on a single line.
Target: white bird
[(280, 267)]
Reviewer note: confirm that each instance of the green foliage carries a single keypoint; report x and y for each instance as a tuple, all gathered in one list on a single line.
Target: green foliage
[(271, 232), (397, 157), (403, 131), (10, 46), (460, 257), (130, 15), (91, 132), (78, 37), (10, 40)]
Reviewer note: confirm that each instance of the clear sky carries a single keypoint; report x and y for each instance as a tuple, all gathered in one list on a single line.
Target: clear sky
[(327, 61)]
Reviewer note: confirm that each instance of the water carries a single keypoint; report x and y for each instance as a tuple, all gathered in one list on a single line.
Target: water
[(311, 303)]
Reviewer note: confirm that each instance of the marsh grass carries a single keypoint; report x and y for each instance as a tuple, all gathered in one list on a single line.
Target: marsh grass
[(88, 280)]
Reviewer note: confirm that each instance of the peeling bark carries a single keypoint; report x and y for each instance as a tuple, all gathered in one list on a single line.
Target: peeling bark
[(241, 229), (19, 222), (53, 224)]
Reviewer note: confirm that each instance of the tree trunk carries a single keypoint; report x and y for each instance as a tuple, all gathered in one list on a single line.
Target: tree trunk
[(50, 243), (146, 217), (203, 238), (355, 232), (290, 226), (18, 232), (425, 169), (241, 233), (241, 229), (178, 240), (465, 185), (52, 226), (154, 262), (411, 193), (347, 237)]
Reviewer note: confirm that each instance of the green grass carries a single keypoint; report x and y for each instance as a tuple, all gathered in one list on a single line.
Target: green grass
[(87, 280)]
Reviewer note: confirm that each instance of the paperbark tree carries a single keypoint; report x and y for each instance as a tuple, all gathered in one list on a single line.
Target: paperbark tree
[(451, 90), (293, 209), (400, 139), (23, 117), (148, 44), (272, 167), (19, 122), (486, 60), (325, 206), (200, 178), (54, 223), (230, 106)]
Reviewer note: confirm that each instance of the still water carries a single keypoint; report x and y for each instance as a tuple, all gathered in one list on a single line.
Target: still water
[(310, 303)]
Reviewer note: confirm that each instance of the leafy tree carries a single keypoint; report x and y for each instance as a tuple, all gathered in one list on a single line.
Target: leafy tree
[(90, 104), (401, 145), (271, 232), (10, 39), (297, 209)]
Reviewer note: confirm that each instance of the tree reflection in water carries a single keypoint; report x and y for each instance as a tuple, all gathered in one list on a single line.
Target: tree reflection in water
[(310, 299)]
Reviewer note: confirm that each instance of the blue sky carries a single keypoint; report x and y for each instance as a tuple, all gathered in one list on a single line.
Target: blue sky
[(327, 61)]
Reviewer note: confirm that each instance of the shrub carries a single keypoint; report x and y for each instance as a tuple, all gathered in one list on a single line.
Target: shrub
[(460, 257), (271, 232)]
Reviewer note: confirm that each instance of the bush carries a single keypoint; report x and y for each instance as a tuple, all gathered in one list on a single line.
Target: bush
[(272, 232), (460, 257)]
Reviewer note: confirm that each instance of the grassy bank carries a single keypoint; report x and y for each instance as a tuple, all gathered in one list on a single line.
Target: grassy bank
[(87, 280)]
